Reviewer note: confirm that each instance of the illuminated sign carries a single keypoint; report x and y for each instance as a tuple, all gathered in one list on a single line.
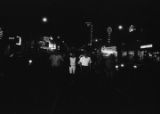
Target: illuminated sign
[(146, 46), (19, 41), (11, 38), (106, 51), (52, 46)]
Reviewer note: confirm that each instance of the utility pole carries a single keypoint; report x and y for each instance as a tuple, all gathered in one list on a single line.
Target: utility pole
[(89, 24), (109, 31)]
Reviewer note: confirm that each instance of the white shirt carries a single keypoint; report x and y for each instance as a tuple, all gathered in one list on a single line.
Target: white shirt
[(85, 61), (72, 61)]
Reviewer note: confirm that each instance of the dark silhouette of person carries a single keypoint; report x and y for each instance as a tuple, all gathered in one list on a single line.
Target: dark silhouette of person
[(109, 66), (57, 67)]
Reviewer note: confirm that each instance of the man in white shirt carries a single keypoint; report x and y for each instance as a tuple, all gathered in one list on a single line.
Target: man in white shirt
[(85, 62)]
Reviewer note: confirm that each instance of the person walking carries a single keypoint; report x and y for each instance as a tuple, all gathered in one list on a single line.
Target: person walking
[(72, 66), (56, 65), (85, 63)]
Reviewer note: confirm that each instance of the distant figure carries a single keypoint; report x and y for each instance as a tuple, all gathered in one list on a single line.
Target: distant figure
[(72, 66), (109, 64), (56, 59), (56, 62)]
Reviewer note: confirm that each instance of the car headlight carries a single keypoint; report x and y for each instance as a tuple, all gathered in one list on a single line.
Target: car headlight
[(135, 66)]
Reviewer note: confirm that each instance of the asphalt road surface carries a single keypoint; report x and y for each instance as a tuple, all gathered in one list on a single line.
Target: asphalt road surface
[(36, 90)]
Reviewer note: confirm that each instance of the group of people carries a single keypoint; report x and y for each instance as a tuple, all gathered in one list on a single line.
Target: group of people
[(83, 64), (72, 61)]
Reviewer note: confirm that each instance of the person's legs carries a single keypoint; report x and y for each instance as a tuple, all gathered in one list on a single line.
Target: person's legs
[(74, 73), (74, 69), (70, 70)]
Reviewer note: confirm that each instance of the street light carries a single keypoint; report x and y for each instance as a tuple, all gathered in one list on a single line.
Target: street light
[(135, 66), (96, 40), (122, 65), (116, 66), (30, 61), (120, 27), (44, 19)]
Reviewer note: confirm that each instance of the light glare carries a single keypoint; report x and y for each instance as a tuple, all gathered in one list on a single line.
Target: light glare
[(120, 27), (30, 61), (116, 66), (146, 46), (122, 65), (44, 19), (135, 66)]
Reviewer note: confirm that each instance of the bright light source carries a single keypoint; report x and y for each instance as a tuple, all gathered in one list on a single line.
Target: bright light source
[(132, 28), (146, 46), (120, 27), (116, 66), (106, 51), (30, 62), (19, 43), (135, 66), (52, 46), (44, 19), (51, 38), (122, 65), (96, 40)]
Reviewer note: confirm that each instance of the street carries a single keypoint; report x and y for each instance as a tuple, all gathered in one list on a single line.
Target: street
[(36, 91)]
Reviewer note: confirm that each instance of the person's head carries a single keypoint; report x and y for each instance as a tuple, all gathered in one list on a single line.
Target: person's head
[(86, 54), (55, 52), (72, 55)]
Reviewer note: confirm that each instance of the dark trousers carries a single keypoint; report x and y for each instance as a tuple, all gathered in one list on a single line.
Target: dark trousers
[(84, 75), (85, 70)]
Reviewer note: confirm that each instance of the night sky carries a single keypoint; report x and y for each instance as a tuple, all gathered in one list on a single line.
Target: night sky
[(67, 17)]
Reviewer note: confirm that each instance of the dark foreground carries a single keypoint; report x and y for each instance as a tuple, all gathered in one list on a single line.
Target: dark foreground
[(35, 90)]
